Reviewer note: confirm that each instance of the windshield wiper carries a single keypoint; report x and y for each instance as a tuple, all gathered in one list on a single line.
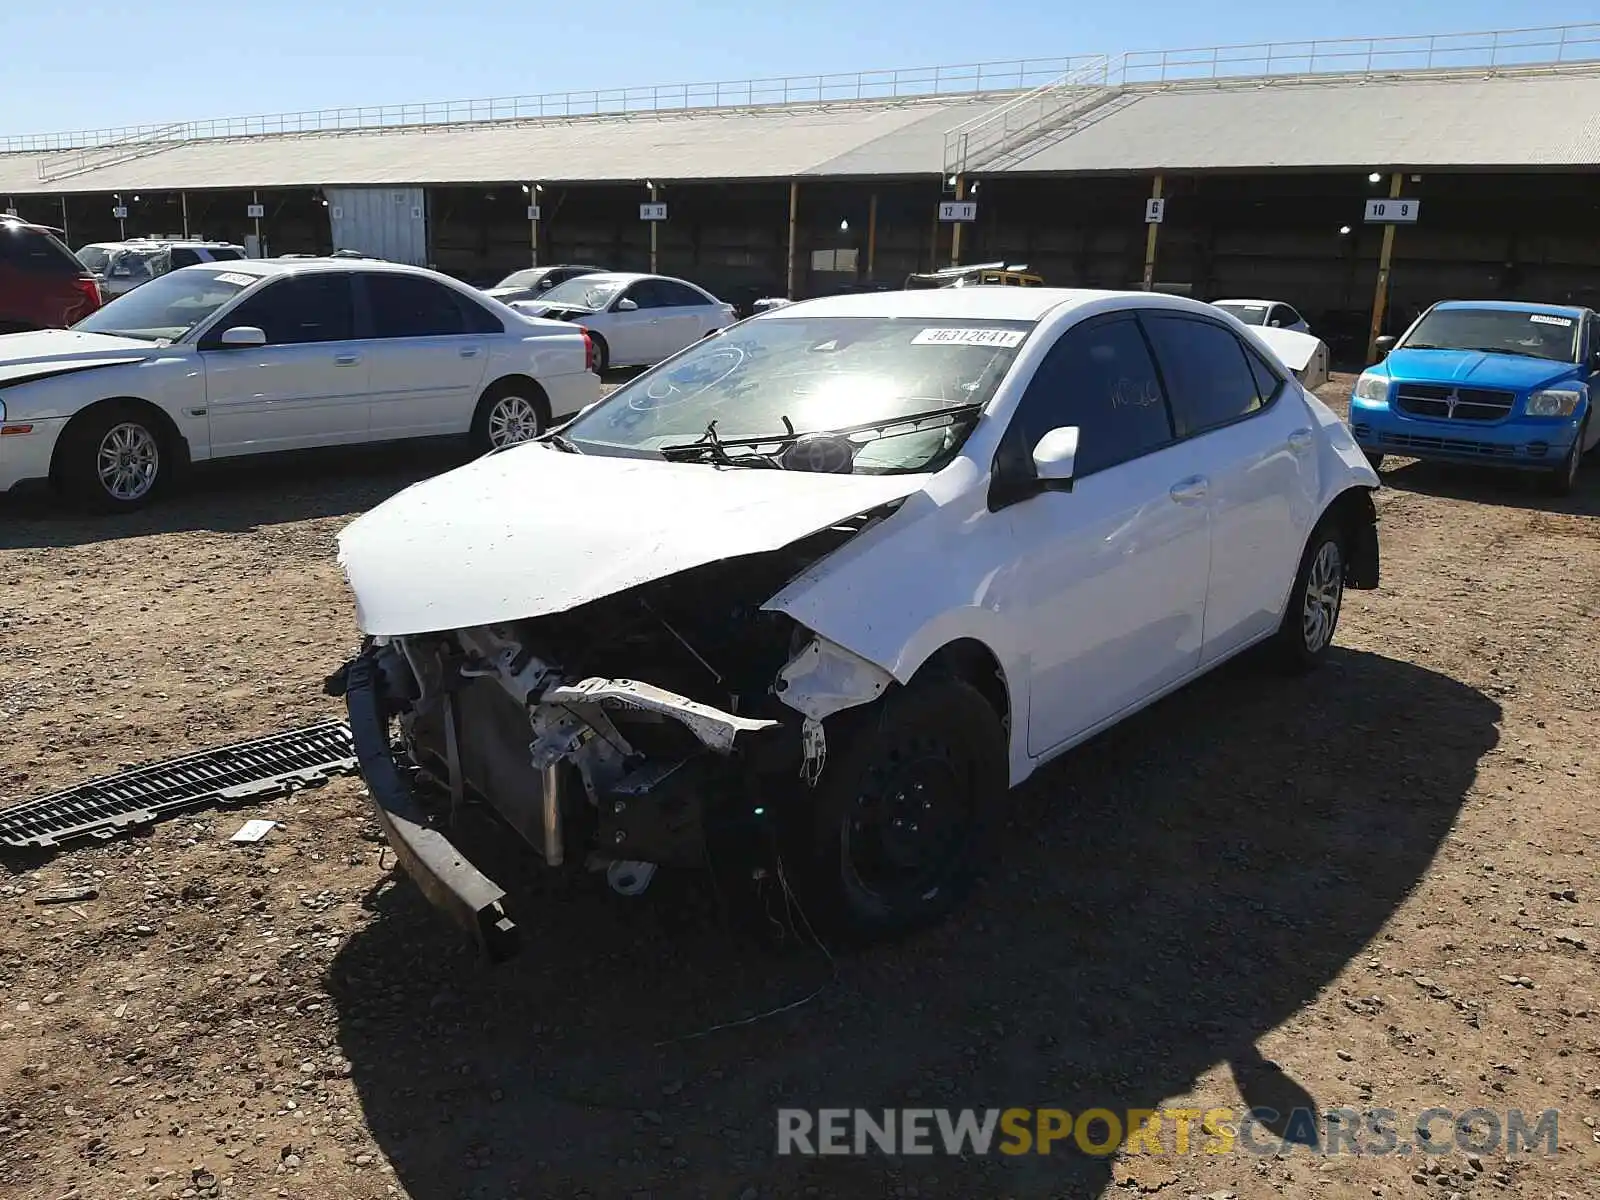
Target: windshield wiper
[(562, 442), (709, 441), (709, 444)]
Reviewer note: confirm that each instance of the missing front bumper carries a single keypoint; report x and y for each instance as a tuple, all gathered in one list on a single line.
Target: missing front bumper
[(441, 871)]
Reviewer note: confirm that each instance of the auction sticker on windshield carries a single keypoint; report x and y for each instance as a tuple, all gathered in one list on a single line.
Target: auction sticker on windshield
[(235, 278), (1540, 318), (1004, 338)]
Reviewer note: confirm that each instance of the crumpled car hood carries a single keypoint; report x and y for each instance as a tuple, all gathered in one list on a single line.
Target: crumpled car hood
[(532, 531)]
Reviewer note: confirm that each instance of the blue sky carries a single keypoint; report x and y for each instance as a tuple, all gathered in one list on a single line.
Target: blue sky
[(98, 63)]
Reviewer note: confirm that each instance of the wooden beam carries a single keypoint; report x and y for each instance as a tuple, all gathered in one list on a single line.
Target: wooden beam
[(1150, 232), (1380, 296)]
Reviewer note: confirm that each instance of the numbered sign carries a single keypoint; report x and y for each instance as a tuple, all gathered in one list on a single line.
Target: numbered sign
[(958, 210), (1155, 211), (120, 212), (533, 212), (1393, 212), (652, 212), (256, 211)]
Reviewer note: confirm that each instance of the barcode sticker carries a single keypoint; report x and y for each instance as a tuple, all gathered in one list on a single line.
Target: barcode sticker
[(235, 278), (1540, 318), (1003, 338)]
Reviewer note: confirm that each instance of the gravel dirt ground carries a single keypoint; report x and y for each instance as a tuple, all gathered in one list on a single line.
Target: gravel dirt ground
[(1371, 888)]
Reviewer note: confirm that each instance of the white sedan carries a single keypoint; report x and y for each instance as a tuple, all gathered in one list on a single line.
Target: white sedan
[(231, 359), (1269, 314), (635, 320), (849, 570)]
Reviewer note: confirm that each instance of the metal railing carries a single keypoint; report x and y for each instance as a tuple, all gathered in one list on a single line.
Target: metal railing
[(984, 139), (80, 162), (1490, 49)]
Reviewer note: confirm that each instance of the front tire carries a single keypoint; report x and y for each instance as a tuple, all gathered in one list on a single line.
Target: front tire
[(1564, 478), (511, 412), (1374, 459), (114, 459), (894, 836), (602, 354), (1312, 614)]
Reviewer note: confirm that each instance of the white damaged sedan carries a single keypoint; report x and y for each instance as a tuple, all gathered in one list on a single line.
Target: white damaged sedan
[(822, 587)]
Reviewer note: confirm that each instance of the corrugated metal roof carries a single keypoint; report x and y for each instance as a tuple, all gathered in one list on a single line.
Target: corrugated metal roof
[(1526, 121), (1540, 120), (719, 144)]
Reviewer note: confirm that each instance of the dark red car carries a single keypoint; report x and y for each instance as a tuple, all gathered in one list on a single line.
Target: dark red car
[(42, 283)]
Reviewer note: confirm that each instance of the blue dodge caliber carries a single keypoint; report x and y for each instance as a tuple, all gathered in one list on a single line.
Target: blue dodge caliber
[(1481, 381)]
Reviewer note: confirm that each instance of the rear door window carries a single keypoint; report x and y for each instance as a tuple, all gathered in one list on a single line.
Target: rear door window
[(1207, 373), (405, 306), (35, 252)]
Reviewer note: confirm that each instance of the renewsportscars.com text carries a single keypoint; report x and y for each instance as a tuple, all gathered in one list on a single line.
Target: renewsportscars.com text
[(1102, 1131)]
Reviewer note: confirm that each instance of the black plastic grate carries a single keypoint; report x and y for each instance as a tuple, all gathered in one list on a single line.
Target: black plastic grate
[(104, 807)]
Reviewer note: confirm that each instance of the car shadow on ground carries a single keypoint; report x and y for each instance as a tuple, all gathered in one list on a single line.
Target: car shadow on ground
[(1163, 897), (240, 496), (1509, 489)]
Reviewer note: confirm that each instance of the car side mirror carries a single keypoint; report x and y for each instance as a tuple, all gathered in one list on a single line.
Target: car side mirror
[(1055, 455), (243, 336), (1384, 344), (626, 305)]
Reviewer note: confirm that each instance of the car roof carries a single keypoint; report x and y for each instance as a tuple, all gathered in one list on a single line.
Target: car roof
[(1516, 306), (992, 303), (284, 266)]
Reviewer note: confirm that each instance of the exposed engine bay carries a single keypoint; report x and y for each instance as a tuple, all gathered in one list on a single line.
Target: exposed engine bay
[(621, 733)]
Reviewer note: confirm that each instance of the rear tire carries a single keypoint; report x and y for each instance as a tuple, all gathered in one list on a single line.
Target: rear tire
[(893, 838), (511, 411), (1311, 617), (114, 459)]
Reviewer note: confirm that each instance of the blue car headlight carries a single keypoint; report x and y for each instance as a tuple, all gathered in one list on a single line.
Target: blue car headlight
[(1556, 402), (1372, 388)]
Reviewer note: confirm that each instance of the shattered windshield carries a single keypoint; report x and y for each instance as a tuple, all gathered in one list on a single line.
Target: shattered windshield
[(1497, 331), (772, 381)]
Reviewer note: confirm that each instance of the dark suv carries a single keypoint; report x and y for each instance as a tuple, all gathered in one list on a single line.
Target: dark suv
[(42, 284)]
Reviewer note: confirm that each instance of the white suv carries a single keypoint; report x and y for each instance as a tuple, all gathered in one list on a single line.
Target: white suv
[(122, 266)]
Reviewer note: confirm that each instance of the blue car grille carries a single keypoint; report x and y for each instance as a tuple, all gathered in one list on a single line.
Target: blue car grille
[(1444, 403), (1407, 441)]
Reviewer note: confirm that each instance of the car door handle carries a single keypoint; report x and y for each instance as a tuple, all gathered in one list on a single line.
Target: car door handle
[(1187, 491), (346, 360), (469, 352), (1300, 440)]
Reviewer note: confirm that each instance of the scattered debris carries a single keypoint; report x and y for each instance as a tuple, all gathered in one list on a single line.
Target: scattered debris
[(253, 830), (67, 895)]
